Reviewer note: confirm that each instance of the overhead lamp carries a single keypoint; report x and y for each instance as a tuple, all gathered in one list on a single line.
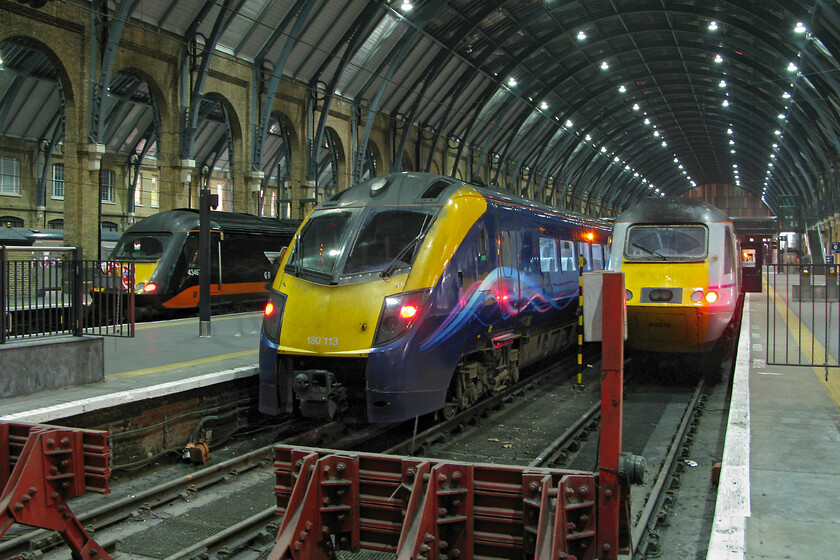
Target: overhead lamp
[(713, 25), (722, 83), (731, 142), (770, 164), (512, 81), (792, 67), (680, 166), (781, 115), (588, 138), (676, 160), (773, 156), (616, 159), (735, 165), (778, 133), (406, 6), (718, 58), (543, 105), (800, 28), (776, 146), (604, 65), (569, 123), (621, 88), (725, 103), (636, 107), (627, 168), (656, 133), (647, 121), (664, 144), (729, 131), (785, 95), (731, 151), (581, 35), (636, 174), (603, 149)]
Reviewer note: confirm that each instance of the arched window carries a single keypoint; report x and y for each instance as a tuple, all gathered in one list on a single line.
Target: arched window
[(55, 224), (108, 226), (11, 221)]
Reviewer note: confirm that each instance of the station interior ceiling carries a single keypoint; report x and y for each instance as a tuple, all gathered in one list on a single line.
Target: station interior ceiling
[(636, 98)]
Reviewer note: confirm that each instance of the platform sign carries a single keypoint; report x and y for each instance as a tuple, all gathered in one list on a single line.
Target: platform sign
[(835, 246), (829, 259)]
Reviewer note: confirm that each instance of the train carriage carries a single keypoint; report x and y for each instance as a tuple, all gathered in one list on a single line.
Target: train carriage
[(164, 250), (413, 293)]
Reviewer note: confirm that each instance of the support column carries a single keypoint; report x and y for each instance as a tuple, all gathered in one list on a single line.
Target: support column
[(81, 197)]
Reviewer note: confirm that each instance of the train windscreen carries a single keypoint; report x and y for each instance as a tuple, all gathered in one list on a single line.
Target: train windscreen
[(140, 246), (666, 243), (388, 240)]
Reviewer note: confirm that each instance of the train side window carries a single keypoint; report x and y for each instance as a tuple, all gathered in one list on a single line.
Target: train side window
[(548, 254), (727, 252), (482, 244), (584, 250), (597, 257), (567, 256), (191, 250)]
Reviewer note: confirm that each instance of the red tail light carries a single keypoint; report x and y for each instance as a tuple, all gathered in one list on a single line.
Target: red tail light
[(269, 309), (399, 312)]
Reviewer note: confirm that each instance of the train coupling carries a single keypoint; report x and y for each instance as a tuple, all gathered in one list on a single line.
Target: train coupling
[(321, 394), (631, 469)]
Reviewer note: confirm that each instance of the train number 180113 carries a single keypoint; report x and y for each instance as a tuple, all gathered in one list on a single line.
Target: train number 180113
[(325, 340)]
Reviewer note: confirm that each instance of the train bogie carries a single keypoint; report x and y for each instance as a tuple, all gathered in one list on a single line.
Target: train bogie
[(414, 293)]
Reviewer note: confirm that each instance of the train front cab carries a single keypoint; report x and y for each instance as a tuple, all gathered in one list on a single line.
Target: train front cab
[(682, 284)]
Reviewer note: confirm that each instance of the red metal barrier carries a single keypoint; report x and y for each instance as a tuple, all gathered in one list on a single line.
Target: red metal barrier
[(426, 508), (41, 467)]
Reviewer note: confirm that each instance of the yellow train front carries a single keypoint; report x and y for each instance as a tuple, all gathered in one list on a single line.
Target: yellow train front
[(682, 274), (413, 293)]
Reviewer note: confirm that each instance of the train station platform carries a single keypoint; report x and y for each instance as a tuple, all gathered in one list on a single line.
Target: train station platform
[(162, 358), (780, 477)]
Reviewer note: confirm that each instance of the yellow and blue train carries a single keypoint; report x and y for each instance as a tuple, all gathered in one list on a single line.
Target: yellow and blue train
[(164, 250), (414, 293), (682, 274)]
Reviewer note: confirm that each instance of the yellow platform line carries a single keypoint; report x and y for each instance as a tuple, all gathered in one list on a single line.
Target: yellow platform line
[(179, 365), (805, 343)]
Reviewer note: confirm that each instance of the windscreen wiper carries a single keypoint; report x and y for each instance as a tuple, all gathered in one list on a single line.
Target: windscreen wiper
[(649, 252)]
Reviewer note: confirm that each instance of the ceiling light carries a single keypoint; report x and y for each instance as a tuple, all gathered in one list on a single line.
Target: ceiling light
[(731, 151), (680, 166), (773, 156), (647, 121), (725, 103), (543, 105), (621, 88), (512, 81), (664, 144), (729, 131), (569, 124), (636, 107), (722, 83), (781, 115), (604, 65), (713, 26), (603, 149), (778, 133), (718, 58), (581, 35), (800, 28), (785, 95), (615, 159), (406, 6), (792, 67), (656, 133), (588, 138)]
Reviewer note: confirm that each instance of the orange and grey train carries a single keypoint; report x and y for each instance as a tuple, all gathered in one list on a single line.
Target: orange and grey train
[(164, 250), (682, 273), (413, 293)]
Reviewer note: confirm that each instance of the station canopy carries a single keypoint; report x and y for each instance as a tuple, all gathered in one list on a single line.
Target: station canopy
[(623, 99)]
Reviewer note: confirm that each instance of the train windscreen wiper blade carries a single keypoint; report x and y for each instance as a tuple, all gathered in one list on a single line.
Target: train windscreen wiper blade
[(649, 252)]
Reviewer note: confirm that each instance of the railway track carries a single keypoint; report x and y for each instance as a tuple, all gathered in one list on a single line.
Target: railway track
[(115, 522)]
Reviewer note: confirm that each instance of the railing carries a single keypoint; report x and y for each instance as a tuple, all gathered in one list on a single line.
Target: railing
[(52, 291), (803, 319)]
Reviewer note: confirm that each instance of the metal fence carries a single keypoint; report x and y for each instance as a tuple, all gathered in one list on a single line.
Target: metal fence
[(803, 319), (51, 291)]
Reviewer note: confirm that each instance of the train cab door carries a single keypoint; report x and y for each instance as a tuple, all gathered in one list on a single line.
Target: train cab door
[(508, 276)]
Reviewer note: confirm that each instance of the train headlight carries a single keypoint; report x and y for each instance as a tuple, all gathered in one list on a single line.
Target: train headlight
[(628, 295), (149, 288), (697, 296), (711, 297), (273, 316), (399, 313)]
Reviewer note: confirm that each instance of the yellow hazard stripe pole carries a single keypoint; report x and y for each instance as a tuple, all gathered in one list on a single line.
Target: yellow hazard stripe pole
[(580, 320)]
